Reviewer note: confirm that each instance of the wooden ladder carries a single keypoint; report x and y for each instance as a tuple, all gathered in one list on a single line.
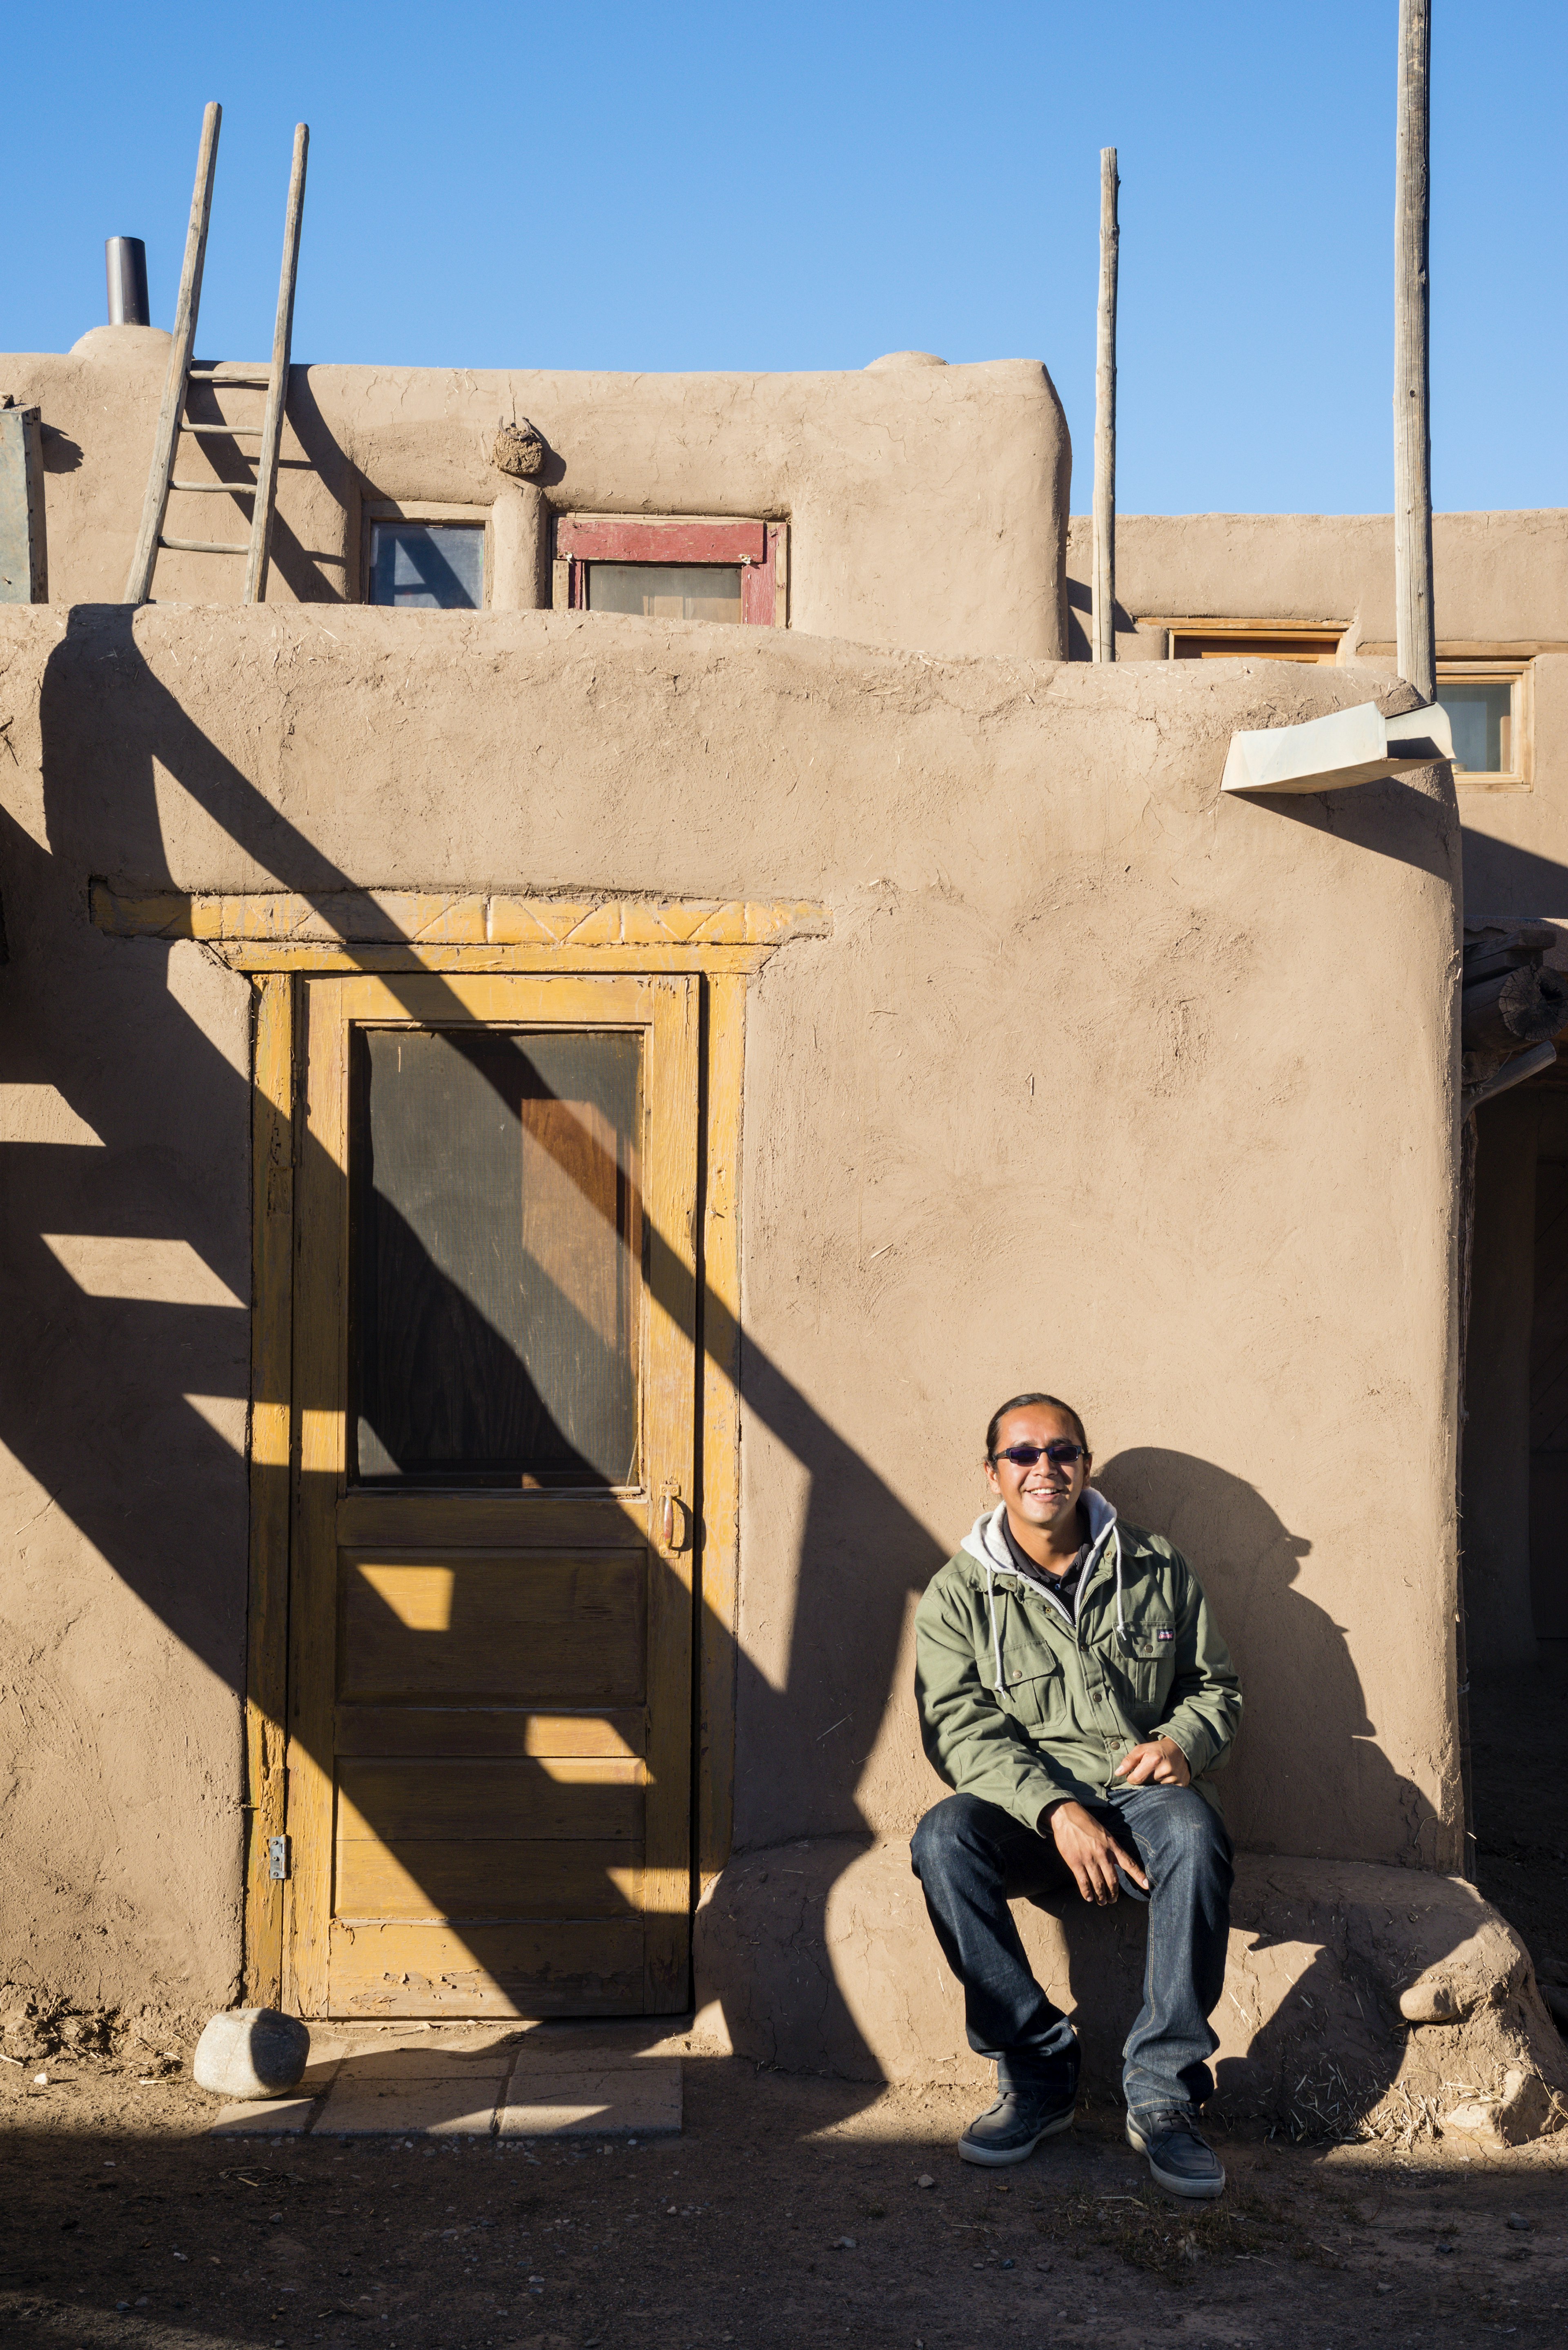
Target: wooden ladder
[(183, 373)]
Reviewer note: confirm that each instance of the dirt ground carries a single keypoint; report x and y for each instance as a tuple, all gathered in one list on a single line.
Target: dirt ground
[(790, 2211)]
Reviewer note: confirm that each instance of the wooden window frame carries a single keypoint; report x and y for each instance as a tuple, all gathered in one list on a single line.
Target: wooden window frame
[(377, 510), (1330, 634), (760, 548), (1460, 668)]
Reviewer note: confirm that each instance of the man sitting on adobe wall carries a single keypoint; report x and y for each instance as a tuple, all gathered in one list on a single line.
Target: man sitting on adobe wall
[(1074, 1692)]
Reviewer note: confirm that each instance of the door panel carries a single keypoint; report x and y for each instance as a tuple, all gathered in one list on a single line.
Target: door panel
[(599, 1966), (481, 1883), (487, 1730), (416, 1801), (567, 1630), (495, 1376)]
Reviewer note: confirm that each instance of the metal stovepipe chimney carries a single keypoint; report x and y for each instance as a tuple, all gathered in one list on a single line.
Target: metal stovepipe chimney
[(125, 265)]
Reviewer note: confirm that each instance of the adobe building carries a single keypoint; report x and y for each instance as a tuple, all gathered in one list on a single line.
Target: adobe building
[(1320, 589), (557, 1071)]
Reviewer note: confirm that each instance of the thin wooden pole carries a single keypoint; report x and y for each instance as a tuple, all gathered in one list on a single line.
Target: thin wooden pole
[(1469, 1144), (166, 435), (1415, 622), (277, 389), (1103, 588)]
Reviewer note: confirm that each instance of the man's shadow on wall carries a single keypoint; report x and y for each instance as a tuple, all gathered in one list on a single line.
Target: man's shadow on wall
[(1307, 1775), (1306, 1778)]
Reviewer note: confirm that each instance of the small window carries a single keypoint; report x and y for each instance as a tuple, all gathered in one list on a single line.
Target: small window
[(1481, 716), (1250, 641), (428, 566), (672, 567), (1487, 707), (665, 591)]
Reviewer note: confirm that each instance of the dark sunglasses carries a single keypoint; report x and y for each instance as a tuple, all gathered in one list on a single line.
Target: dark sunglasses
[(1060, 1453)]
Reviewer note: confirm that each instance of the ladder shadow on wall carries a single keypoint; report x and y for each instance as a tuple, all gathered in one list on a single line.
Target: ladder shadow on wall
[(129, 1412)]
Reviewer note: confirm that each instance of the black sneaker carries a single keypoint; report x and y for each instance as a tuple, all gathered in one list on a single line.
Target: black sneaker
[(1179, 2160), (1010, 2130)]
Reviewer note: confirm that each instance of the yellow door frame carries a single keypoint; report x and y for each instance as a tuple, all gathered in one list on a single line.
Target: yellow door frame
[(334, 1969), (280, 938)]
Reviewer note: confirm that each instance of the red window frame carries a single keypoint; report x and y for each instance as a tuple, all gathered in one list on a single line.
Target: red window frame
[(758, 547)]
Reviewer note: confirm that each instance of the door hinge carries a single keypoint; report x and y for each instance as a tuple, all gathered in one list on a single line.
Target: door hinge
[(278, 1859)]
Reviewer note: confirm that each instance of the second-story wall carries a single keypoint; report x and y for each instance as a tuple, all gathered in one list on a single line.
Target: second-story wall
[(1502, 594), (926, 504)]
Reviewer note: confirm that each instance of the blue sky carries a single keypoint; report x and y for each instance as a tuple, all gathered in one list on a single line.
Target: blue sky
[(733, 187)]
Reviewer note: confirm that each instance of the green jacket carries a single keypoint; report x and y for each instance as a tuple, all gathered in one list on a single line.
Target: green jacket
[(1022, 1706)]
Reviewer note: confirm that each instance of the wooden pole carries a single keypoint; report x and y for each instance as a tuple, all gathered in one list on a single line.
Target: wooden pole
[(277, 389), (167, 433), (1470, 1143), (1417, 633), (1103, 588)]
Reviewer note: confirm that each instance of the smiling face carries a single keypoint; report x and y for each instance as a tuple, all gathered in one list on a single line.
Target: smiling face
[(1042, 1501)]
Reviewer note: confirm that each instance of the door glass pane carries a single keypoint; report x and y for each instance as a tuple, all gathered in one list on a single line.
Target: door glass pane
[(498, 1255), (667, 591), (428, 566), (1480, 713)]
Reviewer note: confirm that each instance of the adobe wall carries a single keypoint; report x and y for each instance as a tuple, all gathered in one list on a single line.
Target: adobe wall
[(1497, 575), (1098, 1083), (1501, 584), (926, 504)]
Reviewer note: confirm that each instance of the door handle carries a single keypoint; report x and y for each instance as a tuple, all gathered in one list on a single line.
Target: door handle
[(672, 1520)]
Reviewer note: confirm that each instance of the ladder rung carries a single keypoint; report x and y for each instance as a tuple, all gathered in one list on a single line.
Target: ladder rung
[(216, 489), (202, 375), (246, 431), (204, 546)]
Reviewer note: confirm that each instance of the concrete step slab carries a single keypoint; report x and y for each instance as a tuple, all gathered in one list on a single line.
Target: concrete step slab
[(276, 2116), (422, 2093), (366, 2066), (265, 2117), (630, 2099), (517, 2091)]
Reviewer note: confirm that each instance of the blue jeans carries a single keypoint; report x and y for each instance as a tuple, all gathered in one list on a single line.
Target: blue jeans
[(971, 1857)]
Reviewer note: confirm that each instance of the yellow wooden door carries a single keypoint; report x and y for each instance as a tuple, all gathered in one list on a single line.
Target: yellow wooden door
[(491, 1614)]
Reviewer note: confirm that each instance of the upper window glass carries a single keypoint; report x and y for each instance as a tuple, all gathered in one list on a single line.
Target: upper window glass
[(1481, 712), (1196, 642), (428, 566), (665, 591)]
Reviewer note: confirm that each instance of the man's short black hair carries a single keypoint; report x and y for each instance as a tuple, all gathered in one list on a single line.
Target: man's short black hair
[(1017, 1403)]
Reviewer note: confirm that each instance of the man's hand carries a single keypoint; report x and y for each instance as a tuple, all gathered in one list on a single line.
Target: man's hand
[(1091, 1851), (1159, 1760)]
